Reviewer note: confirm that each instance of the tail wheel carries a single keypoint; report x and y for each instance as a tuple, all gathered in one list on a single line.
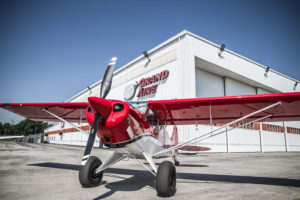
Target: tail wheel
[(166, 179), (87, 175)]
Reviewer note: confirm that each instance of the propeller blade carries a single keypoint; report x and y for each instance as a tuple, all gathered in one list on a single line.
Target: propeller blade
[(91, 140), (106, 82), (96, 104)]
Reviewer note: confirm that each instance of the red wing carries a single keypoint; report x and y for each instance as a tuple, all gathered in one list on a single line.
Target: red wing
[(71, 112), (227, 109)]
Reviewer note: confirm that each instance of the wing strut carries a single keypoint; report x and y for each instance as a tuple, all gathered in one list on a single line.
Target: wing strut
[(226, 125), (63, 120), (143, 165), (112, 159)]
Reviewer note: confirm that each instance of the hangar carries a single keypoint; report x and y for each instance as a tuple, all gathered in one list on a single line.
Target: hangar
[(188, 66)]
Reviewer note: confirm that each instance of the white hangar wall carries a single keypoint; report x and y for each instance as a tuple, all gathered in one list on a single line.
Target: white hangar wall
[(227, 75), (67, 137), (196, 70)]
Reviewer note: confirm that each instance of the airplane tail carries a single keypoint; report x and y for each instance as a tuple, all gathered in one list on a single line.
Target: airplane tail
[(174, 136), (174, 139)]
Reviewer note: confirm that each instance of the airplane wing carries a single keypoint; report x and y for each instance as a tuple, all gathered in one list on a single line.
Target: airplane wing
[(70, 111), (228, 110), (218, 110)]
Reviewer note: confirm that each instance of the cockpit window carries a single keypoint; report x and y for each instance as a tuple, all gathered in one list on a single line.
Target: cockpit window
[(151, 117), (140, 106)]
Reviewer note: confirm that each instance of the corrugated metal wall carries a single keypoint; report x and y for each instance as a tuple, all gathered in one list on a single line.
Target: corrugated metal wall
[(235, 88), (208, 84)]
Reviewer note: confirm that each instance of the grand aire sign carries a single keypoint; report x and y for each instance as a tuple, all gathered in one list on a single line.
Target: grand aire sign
[(149, 85)]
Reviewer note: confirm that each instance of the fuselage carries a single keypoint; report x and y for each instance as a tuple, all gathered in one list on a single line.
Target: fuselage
[(122, 127)]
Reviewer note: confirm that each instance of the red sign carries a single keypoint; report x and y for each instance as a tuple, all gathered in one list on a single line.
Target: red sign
[(150, 80)]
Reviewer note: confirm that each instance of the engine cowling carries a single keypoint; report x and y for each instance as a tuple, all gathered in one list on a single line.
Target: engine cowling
[(113, 122)]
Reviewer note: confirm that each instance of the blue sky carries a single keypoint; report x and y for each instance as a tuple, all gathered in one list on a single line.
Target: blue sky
[(51, 50)]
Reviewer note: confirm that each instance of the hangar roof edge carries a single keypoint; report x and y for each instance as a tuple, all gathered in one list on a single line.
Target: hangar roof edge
[(170, 40), (240, 56)]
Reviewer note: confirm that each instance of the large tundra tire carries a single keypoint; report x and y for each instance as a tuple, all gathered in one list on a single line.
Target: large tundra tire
[(87, 176), (166, 179)]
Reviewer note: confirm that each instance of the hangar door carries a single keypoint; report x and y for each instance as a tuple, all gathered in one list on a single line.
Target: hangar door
[(208, 84), (234, 88), (212, 85)]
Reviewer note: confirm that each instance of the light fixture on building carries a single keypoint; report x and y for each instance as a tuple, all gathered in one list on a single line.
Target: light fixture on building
[(88, 87), (222, 48), (266, 72), (146, 55), (296, 83)]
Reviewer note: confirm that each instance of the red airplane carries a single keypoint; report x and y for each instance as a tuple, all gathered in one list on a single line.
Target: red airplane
[(137, 129)]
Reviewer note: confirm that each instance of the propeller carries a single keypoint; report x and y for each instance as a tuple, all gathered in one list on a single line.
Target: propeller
[(104, 90), (106, 82)]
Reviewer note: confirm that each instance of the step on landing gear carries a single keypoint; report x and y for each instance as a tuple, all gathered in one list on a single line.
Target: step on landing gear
[(166, 179), (87, 175)]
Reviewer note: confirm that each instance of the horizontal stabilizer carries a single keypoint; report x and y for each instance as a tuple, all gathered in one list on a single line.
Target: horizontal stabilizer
[(194, 148)]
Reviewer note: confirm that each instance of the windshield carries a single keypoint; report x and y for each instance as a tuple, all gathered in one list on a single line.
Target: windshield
[(139, 105), (142, 106)]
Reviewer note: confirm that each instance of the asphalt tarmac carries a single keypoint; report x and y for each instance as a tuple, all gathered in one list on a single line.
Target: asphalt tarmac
[(46, 171)]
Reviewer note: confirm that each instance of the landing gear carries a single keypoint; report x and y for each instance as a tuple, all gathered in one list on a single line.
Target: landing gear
[(87, 175), (166, 179), (176, 162)]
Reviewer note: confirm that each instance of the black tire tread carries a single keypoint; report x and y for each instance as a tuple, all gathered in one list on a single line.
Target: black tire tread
[(163, 187), (86, 173)]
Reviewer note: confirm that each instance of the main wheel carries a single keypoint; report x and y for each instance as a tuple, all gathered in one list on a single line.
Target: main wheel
[(166, 179), (87, 176)]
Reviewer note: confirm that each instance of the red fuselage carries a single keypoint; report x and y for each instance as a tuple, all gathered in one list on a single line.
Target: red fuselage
[(119, 124)]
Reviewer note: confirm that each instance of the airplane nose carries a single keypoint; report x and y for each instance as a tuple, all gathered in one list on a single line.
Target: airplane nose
[(100, 106)]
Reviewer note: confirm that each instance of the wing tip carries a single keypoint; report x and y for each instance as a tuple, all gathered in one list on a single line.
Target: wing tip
[(4, 104)]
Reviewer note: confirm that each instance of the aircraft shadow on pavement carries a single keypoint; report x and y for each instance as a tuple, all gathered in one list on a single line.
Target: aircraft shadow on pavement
[(139, 179), (142, 178), (193, 165), (182, 165)]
